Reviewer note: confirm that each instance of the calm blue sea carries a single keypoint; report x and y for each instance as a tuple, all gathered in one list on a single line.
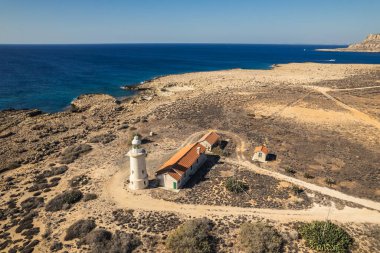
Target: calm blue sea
[(49, 77)]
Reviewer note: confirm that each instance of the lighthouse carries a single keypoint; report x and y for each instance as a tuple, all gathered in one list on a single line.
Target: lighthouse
[(138, 178)]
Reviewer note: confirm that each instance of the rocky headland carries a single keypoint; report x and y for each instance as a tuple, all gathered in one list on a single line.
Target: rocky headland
[(370, 44)]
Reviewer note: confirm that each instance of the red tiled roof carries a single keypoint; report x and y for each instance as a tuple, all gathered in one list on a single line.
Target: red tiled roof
[(182, 160), (211, 137), (262, 148), (177, 156), (191, 157), (175, 175)]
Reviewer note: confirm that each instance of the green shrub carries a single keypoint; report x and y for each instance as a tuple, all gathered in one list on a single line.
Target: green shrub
[(235, 186), (64, 200), (259, 237), (191, 237), (326, 237)]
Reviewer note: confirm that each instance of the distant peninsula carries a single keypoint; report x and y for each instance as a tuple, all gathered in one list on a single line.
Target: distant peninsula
[(370, 44)]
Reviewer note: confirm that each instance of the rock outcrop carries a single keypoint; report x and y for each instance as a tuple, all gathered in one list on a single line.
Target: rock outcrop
[(370, 44)]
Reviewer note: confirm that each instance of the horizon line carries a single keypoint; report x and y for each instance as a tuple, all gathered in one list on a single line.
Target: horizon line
[(166, 43)]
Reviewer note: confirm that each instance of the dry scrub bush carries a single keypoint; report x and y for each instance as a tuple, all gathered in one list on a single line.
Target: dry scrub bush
[(103, 138), (308, 176), (330, 181), (89, 196), (259, 238), (64, 200), (191, 237), (9, 166), (290, 171), (72, 153), (103, 241), (219, 151), (79, 229)]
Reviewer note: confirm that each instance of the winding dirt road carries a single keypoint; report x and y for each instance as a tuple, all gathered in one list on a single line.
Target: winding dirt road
[(140, 200), (356, 113)]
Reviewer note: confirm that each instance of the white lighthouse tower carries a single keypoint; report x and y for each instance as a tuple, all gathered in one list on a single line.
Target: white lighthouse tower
[(138, 178)]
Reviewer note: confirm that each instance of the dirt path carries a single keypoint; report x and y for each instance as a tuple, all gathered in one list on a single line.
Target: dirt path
[(358, 114), (124, 198), (323, 190), (360, 88), (140, 200), (241, 144)]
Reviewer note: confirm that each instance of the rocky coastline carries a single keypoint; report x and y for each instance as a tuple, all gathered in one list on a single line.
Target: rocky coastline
[(60, 169)]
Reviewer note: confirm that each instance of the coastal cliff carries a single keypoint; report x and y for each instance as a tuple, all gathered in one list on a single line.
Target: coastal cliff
[(370, 44)]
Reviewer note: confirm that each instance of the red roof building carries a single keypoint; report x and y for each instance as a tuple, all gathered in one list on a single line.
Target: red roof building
[(176, 171)]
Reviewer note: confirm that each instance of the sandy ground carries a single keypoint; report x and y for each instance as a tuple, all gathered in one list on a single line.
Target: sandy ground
[(293, 108)]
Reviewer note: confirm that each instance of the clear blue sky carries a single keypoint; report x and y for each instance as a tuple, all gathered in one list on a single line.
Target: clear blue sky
[(188, 21)]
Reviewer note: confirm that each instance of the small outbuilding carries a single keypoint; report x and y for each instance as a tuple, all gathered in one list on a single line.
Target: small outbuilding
[(210, 140), (175, 172), (260, 154)]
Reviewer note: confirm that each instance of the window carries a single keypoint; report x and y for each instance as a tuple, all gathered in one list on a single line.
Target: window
[(132, 171), (143, 172), (260, 154), (144, 183)]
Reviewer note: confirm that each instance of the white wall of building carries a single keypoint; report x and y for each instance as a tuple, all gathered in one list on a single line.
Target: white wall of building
[(166, 180), (259, 156)]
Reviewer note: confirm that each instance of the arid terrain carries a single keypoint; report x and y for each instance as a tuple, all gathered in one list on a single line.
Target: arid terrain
[(321, 120)]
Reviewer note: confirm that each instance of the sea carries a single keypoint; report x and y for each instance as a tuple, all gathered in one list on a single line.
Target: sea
[(49, 77)]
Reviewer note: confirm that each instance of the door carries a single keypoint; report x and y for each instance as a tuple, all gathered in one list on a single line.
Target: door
[(174, 185)]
